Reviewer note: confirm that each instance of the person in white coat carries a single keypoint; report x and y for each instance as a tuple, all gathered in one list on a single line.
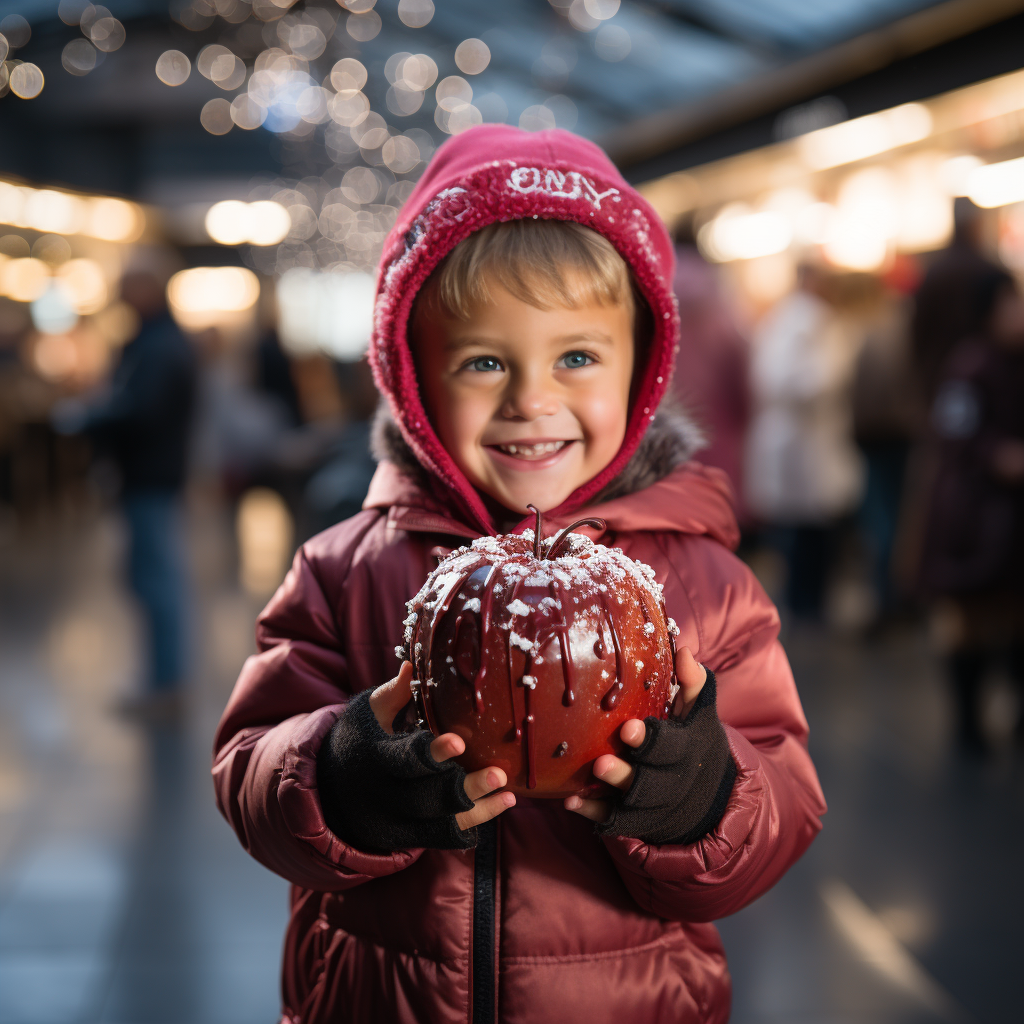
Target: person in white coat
[(803, 470)]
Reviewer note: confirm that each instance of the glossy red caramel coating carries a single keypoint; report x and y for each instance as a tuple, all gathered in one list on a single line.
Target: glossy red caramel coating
[(587, 629)]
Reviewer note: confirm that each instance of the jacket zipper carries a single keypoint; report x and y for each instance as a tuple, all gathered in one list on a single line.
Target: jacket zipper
[(485, 869)]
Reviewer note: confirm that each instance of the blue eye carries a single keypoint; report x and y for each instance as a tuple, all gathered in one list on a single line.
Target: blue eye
[(575, 360), (484, 364)]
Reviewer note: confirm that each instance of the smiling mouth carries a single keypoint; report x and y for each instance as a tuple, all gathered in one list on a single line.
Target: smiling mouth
[(538, 450)]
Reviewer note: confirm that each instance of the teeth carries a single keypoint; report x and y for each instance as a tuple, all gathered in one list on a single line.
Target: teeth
[(547, 448)]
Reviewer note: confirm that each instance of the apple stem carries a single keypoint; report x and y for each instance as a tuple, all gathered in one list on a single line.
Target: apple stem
[(555, 548), (536, 531)]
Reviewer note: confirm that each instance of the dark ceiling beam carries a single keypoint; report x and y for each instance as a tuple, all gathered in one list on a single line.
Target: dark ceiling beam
[(668, 130)]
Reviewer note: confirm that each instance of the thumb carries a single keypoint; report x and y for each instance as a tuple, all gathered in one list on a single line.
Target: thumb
[(389, 698), (691, 677)]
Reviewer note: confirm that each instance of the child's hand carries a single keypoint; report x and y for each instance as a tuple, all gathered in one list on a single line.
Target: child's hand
[(388, 700), (618, 773)]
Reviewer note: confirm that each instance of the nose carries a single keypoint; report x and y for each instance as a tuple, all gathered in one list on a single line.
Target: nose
[(530, 396)]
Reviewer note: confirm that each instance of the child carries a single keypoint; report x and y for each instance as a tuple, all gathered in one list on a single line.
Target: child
[(524, 335)]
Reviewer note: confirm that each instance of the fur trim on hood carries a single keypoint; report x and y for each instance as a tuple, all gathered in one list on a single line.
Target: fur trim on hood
[(671, 439)]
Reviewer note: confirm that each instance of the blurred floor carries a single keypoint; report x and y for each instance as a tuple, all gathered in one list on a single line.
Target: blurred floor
[(124, 898), (123, 895)]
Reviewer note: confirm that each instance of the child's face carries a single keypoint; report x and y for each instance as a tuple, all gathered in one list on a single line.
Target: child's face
[(530, 403)]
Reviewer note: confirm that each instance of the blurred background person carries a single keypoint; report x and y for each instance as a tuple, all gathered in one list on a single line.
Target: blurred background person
[(974, 547), (803, 471), (944, 306), (712, 372), (886, 418), (142, 420)]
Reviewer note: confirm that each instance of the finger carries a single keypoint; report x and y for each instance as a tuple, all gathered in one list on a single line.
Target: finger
[(633, 732), (485, 809), (485, 781), (388, 699), (595, 810), (447, 745), (613, 770), (691, 677)]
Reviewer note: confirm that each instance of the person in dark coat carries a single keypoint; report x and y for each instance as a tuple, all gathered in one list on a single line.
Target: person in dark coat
[(143, 422), (974, 545), (945, 311)]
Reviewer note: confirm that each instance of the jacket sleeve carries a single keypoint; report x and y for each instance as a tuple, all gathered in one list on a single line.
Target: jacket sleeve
[(286, 700), (776, 802)]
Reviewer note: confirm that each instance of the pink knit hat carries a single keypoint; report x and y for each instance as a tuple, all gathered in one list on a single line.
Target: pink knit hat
[(499, 173)]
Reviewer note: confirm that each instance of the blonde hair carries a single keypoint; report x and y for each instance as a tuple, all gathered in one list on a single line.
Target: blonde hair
[(546, 263)]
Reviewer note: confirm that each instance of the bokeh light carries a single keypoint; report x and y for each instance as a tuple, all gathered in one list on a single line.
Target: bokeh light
[(472, 56), (173, 67), (348, 76), (16, 30), (85, 285), (202, 297), (997, 184), (327, 312), (580, 18), (216, 116), (246, 112), (400, 154), (53, 312), (864, 137), (26, 81), (602, 10), (24, 279), (71, 11), (49, 210), (51, 249), (264, 529), (107, 34), (55, 356), (363, 27), (453, 92), (232, 222), (114, 220), (415, 13), (79, 57)]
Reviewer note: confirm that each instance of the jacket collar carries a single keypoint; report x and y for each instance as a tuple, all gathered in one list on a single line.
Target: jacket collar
[(692, 499)]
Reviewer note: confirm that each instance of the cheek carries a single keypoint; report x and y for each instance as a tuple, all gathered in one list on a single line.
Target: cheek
[(603, 414), (460, 419)]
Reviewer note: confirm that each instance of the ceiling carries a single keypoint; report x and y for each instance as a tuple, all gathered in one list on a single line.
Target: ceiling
[(119, 128)]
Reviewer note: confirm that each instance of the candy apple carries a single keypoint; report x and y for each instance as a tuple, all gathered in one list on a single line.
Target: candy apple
[(536, 651)]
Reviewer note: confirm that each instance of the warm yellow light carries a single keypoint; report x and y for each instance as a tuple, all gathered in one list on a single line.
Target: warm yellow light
[(232, 222), (24, 279), (865, 136), (26, 81), (12, 204), (997, 184), (956, 172), (736, 234), (55, 356), (213, 290), (114, 220), (227, 222), (265, 529), (85, 284), (49, 210), (269, 223)]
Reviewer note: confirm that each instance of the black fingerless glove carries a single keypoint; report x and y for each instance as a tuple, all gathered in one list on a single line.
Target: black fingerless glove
[(382, 792), (683, 775)]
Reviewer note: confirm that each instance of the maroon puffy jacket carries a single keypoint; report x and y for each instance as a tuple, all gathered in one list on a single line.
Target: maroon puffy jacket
[(543, 921)]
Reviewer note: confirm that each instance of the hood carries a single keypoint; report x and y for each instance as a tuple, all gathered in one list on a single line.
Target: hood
[(499, 173)]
